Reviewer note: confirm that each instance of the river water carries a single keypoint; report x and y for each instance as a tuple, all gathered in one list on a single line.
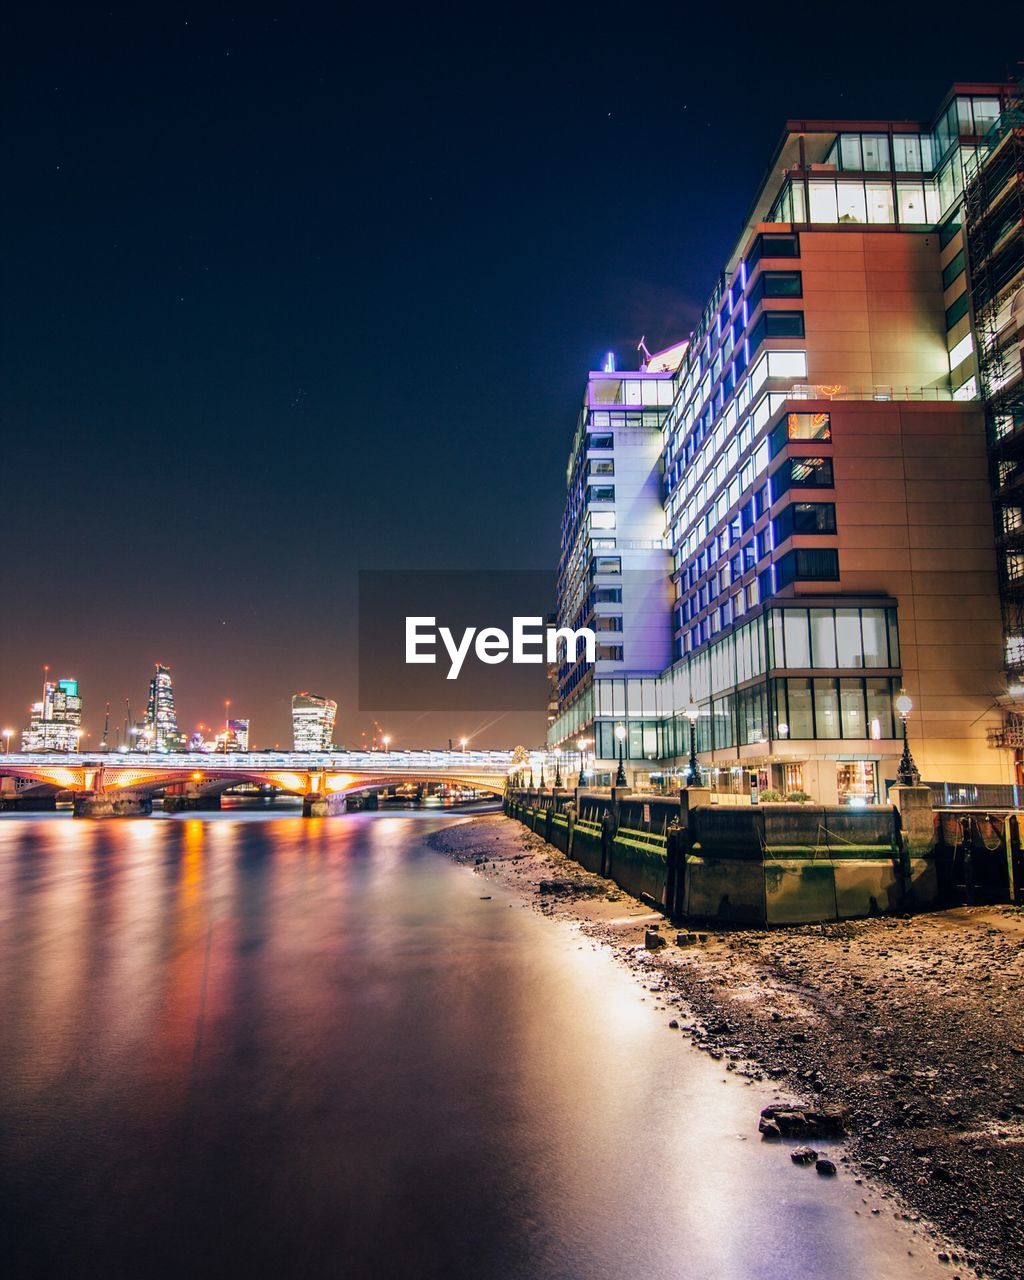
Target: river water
[(261, 1046)]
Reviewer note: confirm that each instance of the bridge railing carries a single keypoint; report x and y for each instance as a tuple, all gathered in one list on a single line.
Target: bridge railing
[(257, 761)]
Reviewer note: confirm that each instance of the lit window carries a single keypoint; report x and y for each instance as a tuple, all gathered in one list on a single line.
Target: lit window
[(961, 351)]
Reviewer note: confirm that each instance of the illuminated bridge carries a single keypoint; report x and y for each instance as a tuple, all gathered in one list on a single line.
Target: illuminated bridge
[(115, 785)]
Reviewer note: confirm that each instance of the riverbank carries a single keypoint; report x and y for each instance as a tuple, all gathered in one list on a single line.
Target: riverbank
[(915, 1028)]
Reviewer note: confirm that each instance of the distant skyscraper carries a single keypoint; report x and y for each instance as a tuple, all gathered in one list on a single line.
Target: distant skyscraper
[(312, 721), (55, 722), (160, 728), (238, 735)]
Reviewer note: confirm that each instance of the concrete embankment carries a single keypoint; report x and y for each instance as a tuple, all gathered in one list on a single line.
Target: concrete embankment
[(770, 864)]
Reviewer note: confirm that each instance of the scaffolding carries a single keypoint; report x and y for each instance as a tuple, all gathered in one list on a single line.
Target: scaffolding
[(994, 236)]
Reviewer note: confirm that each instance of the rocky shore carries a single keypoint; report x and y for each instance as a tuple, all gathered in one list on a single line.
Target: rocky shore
[(910, 1030)]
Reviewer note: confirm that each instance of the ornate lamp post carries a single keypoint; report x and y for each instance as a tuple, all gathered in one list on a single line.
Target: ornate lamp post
[(582, 744), (558, 769), (693, 770), (907, 774), (620, 775)]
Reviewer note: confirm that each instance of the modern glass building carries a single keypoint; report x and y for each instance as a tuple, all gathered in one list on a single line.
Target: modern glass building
[(824, 503), (55, 723), (312, 722), (160, 727)]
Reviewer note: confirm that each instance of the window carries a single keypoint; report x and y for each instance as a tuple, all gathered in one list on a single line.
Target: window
[(607, 595), (875, 149), (608, 564), (800, 709), (600, 440), (952, 269), (807, 565), (601, 493), (773, 244), (826, 709), (907, 153), (784, 324), (777, 324), (775, 284), (602, 519), (803, 473), (823, 201), (848, 640), (986, 113), (879, 709), (798, 652), (956, 310), (601, 466), (961, 351), (613, 622), (723, 722), (804, 517), (874, 632), (911, 203), (851, 202), (851, 708), (850, 151), (801, 426), (879, 199), (894, 639), (951, 226), (823, 638)]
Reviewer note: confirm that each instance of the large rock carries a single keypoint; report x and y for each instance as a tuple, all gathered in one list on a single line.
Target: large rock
[(822, 1122)]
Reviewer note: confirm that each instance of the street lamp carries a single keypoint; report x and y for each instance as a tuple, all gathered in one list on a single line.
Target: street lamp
[(582, 744), (693, 771), (558, 768), (463, 742), (907, 774), (386, 739), (620, 775), (7, 741)]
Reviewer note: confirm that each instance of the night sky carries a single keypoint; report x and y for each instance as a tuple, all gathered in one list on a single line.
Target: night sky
[(288, 294)]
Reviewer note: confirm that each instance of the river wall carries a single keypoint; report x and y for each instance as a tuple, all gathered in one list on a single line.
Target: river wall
[(758, 865)]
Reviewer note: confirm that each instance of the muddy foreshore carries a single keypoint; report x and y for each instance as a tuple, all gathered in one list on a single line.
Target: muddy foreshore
[(914, 1027)]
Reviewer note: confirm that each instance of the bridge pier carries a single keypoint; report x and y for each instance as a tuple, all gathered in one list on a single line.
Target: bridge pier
[(191, 801), (315, 805), (111, 804)]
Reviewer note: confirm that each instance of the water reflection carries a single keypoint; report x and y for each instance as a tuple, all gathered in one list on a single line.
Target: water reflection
[(284, 1047)]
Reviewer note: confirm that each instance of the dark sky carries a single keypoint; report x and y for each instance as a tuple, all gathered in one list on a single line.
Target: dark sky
[(289, 293)]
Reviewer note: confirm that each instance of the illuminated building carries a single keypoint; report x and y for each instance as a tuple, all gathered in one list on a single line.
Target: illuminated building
[(237, 735), (312, 722), (55, 723), (824, 491), (614, 570), (160, 727), (988, 257)]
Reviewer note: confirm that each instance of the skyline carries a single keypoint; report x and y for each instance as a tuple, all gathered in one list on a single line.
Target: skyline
[(263, 333)]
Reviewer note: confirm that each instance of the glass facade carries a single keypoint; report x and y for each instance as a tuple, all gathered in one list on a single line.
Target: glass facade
[(744, 693)]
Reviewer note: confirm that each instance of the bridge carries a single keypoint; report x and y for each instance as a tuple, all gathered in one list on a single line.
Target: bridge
[(125, 784)]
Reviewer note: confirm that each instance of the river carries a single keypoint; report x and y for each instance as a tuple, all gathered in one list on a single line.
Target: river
[(247, 1044)]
